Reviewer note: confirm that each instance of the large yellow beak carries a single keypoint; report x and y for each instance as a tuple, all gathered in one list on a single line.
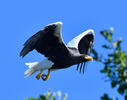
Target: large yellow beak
[(89, 58)]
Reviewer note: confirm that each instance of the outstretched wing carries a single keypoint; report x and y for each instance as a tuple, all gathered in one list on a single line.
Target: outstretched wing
[(83, 42), (47, 41)]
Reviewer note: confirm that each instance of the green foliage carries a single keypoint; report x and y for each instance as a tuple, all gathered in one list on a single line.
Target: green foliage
[(106, 97), (49, 96), (115, 64)]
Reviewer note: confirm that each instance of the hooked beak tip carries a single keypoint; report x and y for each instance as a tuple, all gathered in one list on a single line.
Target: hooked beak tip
[(89, 58)]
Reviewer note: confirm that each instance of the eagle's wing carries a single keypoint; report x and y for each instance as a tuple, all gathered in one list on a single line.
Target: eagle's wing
[(47, 41), (83, 42)]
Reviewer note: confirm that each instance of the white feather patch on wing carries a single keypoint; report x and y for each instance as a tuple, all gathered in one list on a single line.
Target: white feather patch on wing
[(58, 31), (75, 41)]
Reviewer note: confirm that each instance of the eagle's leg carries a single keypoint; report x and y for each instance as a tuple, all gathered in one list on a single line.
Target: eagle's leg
[(39, 76), (46, 77)]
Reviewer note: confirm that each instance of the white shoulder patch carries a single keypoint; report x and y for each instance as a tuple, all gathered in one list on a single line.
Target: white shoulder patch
[(74, 42)]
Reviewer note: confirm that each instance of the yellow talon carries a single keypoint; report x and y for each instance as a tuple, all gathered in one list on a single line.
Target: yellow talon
[(39, 76), (46, 77)]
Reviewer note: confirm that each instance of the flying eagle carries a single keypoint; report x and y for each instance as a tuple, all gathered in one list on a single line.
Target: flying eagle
[(49, 42)]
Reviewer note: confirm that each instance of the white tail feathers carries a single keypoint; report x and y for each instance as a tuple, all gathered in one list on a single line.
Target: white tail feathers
[(33, 67), (38, 66)]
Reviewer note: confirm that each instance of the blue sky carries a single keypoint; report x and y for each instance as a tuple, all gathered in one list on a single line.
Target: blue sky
[(19, 19)]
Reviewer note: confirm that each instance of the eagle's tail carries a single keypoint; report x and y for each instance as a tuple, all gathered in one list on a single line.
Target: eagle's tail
[(38, 66), (33, 67)]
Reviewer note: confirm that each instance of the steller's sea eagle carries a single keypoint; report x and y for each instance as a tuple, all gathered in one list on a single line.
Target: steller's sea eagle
[(49, 42)]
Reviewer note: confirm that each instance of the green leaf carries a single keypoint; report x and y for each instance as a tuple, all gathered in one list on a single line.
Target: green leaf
[(103, 70), (104, 33), (126, 96), (106, 47), (42, 97), (114, 83), (106, 97), (31, 98), (122, 88), (109, 38), (95, 54)]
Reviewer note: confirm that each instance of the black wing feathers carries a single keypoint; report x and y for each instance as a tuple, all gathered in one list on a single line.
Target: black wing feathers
[(45, 42), (30, 44), (85, 44)]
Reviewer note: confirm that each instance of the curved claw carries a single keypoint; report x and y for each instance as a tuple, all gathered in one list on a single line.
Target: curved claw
[(45, 77), (39, 76)]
